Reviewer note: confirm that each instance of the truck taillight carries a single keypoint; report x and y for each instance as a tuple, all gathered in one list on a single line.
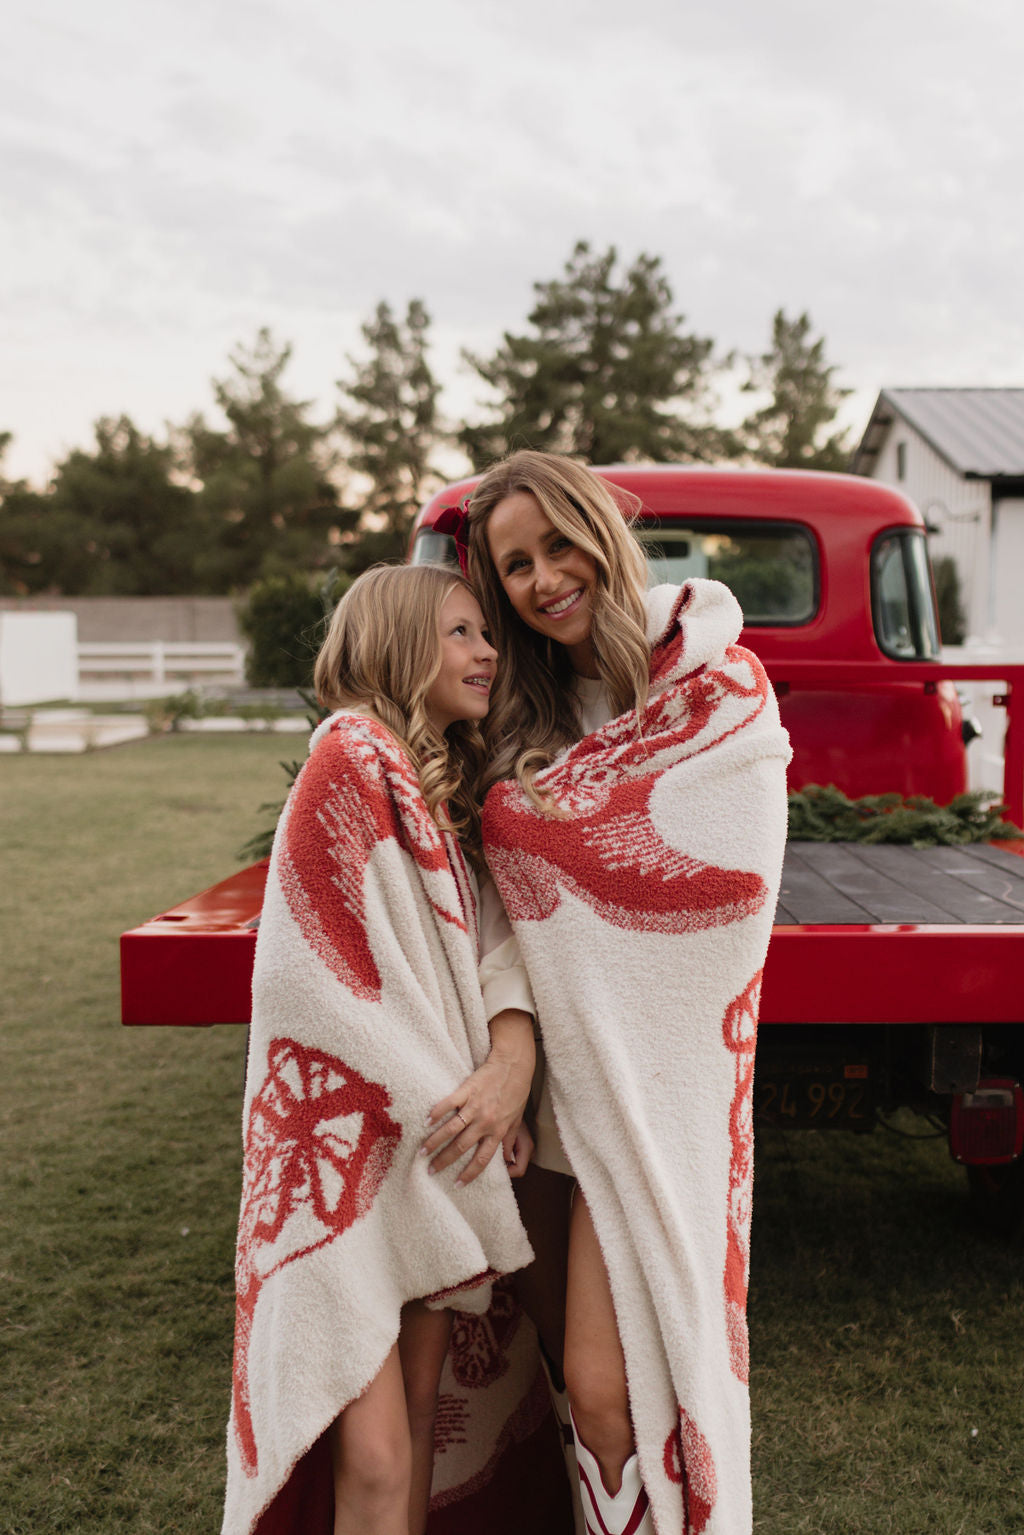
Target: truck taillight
[(986, 1127)]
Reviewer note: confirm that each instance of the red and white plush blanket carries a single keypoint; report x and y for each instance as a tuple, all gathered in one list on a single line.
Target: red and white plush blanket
[(366, 1012), (643, 917)]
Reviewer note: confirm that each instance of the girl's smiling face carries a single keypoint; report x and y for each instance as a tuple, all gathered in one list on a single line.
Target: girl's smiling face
[(548, 579), (461, 688)]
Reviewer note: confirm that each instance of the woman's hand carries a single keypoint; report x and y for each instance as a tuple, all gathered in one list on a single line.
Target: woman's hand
[(486, 1111)]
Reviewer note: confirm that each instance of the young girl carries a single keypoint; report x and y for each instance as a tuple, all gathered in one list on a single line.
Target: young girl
[(368, 1012), (635, 830)]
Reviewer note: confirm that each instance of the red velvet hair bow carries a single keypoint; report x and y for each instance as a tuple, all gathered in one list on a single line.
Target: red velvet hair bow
[(454, 520)]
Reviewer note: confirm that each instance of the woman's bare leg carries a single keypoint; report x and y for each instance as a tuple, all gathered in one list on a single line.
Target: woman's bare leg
[(595, 1369), (372, 1459), (422, 1346), (544, 1200)]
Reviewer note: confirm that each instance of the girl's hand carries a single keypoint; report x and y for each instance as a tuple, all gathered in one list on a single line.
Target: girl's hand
[(487, 1109), (518, 1149)]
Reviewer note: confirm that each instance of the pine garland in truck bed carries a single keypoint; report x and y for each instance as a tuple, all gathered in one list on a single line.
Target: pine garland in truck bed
[(823, 813)]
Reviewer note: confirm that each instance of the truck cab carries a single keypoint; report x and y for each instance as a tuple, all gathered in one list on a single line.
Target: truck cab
[(823, 566)]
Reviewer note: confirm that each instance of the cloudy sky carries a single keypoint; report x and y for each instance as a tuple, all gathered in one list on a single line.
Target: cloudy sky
[(174, 175)]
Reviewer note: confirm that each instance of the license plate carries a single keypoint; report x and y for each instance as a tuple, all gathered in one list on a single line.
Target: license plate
[(823, 1097)]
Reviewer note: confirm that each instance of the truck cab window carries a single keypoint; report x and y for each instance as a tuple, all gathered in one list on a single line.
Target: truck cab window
[(433, 548), (901, 597), (771, 569)]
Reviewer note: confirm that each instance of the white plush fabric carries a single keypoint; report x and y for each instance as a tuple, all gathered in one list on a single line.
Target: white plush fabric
[(366, 1011), (643, 917)]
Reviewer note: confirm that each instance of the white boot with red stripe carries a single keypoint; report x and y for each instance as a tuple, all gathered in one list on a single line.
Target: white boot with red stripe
[(566, 1433), (626, 1512)]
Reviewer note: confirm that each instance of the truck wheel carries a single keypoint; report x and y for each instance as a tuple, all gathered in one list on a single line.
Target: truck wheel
[(997, 1197)]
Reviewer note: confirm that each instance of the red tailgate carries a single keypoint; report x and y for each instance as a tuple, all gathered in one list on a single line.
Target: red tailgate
[(193, 963)]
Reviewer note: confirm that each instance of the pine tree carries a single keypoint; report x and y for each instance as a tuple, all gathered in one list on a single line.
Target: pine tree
[(606, 371), (390, 427), (114, 520), (24, 541), (267, 490), (787, 432)]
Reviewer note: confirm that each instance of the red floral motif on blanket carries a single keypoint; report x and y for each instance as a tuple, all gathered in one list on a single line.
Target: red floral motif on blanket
[(608, 851), (357, 789), (479, 1344), (688, 1463), (739, 1031), (318, 1145)]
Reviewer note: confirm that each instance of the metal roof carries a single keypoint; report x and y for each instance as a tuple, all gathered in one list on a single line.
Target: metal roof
[(980, 432)]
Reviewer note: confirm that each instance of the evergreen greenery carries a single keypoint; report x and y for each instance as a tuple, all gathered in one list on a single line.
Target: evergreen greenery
[(390, 428), (606, 371), (113, 523), (260, 844), (605, 368), (952, 618), (771, 578), (24, 542), (824, 814), (283, 620), (787, 433), (273, 619), (267, 499)]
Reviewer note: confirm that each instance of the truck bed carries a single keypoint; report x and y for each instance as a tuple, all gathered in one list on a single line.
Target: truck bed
[(852, 882), (892, 934), (863, 934)]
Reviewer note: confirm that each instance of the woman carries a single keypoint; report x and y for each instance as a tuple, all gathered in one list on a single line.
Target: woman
[(367, 1013), (635, 831)]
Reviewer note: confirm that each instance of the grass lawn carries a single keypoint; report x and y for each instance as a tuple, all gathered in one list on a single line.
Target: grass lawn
[(121, 1148), (888, 1388), (887, 1375)]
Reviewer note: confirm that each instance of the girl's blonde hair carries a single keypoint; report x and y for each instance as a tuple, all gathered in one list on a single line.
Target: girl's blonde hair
[(534, 711), (381, 653)]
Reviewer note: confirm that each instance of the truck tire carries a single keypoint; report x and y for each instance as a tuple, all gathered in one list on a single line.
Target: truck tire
[(997, 1198)]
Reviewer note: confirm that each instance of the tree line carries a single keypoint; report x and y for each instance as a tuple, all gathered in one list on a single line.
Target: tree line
[(605, 367)]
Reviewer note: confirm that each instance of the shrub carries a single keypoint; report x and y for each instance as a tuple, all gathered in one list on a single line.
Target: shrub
[(952, 619), (168, 713), (283, 620)]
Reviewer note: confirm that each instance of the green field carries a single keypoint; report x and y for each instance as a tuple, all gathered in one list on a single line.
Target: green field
[(887, 1383)]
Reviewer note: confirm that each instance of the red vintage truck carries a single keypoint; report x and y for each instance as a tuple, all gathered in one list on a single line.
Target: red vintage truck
[(893, 978)]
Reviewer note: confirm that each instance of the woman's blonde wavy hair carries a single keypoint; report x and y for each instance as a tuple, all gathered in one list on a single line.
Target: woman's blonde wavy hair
[(381, 654), (534, 711)]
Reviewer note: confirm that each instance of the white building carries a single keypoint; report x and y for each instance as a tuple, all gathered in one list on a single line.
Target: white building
[(959, 455)]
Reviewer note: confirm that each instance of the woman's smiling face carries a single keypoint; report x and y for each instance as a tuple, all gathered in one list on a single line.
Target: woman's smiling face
[(548, 580)]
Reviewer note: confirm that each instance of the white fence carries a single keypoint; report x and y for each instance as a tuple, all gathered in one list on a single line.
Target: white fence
[(151, 669)]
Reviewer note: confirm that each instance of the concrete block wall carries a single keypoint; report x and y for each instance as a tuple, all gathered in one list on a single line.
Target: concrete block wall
[(172, 619)]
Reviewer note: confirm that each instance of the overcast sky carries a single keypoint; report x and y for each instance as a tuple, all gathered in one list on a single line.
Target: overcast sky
[(174, 175)]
